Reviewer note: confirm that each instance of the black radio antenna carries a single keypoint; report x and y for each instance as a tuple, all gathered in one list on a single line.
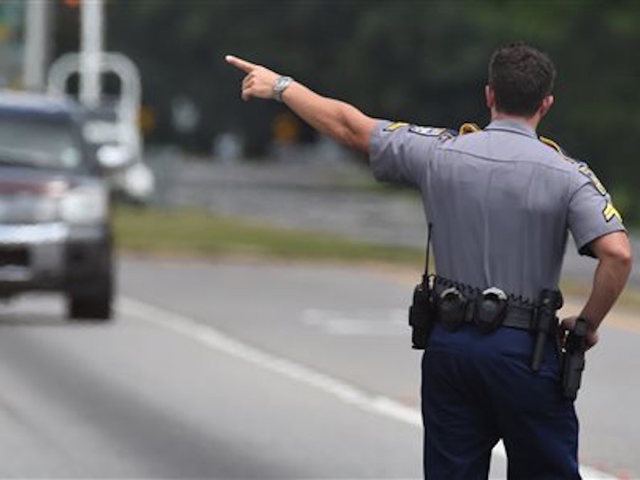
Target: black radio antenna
[(428, 248)]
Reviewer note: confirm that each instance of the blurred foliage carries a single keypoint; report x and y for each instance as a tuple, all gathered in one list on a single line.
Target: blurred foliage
[(422, 61)]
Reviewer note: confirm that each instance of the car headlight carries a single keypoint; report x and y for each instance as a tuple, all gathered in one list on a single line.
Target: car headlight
[(84, 205), (139, 181)]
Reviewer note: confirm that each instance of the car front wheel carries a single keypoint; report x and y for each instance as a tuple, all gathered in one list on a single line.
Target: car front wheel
[(94, 306)]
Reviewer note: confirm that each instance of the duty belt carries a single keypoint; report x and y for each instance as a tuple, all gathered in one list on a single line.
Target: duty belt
[(523, 318), (457, 304)]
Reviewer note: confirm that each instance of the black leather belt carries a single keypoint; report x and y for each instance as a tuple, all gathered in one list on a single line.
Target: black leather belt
[(523, 318), (520, 317)]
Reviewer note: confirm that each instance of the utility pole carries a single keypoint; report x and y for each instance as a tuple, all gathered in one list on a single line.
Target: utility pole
[(91, 46), (37, 48)]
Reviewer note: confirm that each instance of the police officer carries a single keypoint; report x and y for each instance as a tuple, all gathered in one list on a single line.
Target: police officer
[(500, 202)]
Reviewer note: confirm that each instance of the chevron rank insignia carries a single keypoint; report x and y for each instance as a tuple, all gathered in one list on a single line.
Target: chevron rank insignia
[(610, 212), (395, 126)]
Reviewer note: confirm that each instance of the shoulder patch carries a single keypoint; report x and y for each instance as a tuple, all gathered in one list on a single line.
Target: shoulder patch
[(395, 126), (427, 131), (587, 172), (468, 128)]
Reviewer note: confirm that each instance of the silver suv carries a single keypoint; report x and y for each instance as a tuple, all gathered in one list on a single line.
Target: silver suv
[(55, 233)]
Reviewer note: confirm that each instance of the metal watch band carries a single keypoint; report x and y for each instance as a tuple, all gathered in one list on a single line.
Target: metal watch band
[(280, 86)]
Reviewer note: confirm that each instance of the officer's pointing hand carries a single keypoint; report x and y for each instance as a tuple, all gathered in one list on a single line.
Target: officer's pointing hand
[(259, 81)]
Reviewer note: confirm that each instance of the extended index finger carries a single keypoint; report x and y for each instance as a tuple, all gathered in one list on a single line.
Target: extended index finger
[(239, 63)]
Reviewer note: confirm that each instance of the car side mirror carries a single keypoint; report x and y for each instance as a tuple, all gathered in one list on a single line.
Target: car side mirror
[(112, 157)]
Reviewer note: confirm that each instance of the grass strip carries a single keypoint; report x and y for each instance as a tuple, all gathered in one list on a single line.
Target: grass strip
[(196, 232)]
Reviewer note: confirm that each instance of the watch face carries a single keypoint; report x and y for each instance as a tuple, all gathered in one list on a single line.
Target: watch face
[(281, 83), (279, 86)]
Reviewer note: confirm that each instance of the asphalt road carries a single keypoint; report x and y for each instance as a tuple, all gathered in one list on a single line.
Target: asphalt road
[(249, 371)]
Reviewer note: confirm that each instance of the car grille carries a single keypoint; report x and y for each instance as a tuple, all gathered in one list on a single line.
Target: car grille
[(14, 257), (26, 209)]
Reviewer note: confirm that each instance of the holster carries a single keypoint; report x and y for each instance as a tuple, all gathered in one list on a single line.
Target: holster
[(573, 359), (545, 323)]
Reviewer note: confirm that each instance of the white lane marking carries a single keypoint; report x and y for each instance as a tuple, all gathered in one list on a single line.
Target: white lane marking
[(213, 338)]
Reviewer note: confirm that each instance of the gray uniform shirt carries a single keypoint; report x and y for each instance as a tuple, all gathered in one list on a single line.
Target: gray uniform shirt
[(500, 201)]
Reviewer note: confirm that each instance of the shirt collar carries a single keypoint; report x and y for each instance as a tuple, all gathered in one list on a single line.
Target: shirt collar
[(512, 126)]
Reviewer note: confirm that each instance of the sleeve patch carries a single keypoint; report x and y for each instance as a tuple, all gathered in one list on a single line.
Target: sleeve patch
[(427, 131), (586, 171), (610, 212), (395, 126)]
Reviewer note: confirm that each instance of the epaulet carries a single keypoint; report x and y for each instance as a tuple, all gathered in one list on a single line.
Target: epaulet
[(468, 128), (550, 143)]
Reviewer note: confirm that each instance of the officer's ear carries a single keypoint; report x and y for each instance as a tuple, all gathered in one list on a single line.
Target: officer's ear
[(491, 97), (546, 104)]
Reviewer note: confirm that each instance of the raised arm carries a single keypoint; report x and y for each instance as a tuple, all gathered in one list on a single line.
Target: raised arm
[(338, 120)]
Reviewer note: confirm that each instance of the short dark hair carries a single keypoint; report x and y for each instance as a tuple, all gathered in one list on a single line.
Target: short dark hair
[(521, 77)]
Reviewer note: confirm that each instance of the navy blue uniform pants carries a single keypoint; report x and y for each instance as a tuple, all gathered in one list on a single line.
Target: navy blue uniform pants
[(478, 389)]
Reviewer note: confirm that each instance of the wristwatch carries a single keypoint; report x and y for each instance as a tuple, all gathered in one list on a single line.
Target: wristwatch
[(280, 86)]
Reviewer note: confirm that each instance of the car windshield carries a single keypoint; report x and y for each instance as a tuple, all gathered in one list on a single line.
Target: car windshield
[(48, 144)]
